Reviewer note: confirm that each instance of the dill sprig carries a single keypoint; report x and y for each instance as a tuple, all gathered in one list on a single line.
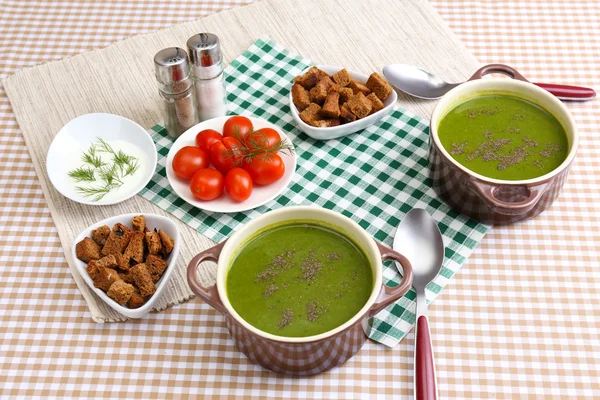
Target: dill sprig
[(83, 174), (109, 175), (90, 157), (255, 145)]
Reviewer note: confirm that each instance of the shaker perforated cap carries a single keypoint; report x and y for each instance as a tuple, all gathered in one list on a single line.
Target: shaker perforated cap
[(172, 69), (204, 49)]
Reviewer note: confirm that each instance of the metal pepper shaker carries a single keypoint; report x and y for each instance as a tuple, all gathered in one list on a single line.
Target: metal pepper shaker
[(175, 87), (208, 76)]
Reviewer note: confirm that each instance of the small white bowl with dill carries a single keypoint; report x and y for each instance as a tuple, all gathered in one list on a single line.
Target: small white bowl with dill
[(101, 159)]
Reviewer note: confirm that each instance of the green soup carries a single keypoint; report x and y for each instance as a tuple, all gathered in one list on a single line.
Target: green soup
[(299, 280), (504, 137)]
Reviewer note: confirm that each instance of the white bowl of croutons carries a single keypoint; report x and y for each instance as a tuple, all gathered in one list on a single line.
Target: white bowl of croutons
[(329, 102), (128, 260)]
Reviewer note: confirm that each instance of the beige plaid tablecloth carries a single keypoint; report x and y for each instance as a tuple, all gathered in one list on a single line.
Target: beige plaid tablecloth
[(521, 320)]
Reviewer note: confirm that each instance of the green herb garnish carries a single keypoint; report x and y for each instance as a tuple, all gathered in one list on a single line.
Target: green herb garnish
[(108, 175)]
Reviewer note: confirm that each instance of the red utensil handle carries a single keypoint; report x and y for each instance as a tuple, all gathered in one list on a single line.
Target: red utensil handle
[(425, 385), (567, 92)]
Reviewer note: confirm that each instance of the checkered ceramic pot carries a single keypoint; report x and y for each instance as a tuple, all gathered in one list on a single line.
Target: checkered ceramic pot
[(299, 355), (493, 200)]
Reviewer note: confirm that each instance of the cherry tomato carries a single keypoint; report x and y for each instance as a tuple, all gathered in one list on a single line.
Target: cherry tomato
[(206, 138), (224, 154), (264, 138), (238, 184), (188, 160), (207, 184), (265, 170), (238, 127)]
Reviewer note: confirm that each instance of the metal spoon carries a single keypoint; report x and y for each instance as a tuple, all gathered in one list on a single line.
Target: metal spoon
[(423, 84), (420, 240)]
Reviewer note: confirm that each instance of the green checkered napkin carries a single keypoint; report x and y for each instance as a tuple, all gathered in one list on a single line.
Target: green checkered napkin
[(373, 177)]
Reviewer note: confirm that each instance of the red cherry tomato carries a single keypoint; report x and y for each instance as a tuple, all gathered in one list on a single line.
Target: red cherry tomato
[(226, 153), (237, 127), (238, 184), (207, 184), (265, 170), (206, 138), (188, 160), (264, 138)]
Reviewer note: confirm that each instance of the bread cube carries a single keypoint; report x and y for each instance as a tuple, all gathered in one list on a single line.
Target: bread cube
[(143, 280), (153, 243), (105, 278), (100, 235), (319, 93), (331, 108), (135, 248), (359, 105), (120, 292), (87, 250), (156, 266), (117, 240), (167, 242), (136, 300), (310, 78), (122, 262), (300, 97), (138, 223), (326, 123), (126, 277), (345, 94), (358, 87), (346, 115), (376, 104), (379, 86), (342, 77), (311, 114)]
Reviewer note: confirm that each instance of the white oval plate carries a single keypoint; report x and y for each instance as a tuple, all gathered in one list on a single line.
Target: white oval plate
[(335, 132), (223, 204), (76, 137), (152, 221)]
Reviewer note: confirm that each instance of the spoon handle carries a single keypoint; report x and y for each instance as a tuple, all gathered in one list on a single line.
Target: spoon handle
[(567, 92), (425, 382)]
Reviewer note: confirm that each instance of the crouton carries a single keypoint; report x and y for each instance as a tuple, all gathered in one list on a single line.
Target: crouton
[(136, 300), (105, 278), (326, 123), (331, 108), (342, 77), (120, 292), (126, 277), (92, 269), (143, 280), (358, 87), (122, 262), (345, 94), (318, 94), (156, 266), (310, 78), (167, 242), (310, 114), (135, 248), (153, 243), (376, 104), (379, 86), (346, 115), (101, 234), (117, 240), (107, 262), (138, 223), (87, 250), (300, 97), (359, 105)]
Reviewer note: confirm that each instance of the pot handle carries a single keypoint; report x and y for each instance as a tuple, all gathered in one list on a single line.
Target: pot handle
[(209, 295), (390, 294), (498, 69), (486, 192)]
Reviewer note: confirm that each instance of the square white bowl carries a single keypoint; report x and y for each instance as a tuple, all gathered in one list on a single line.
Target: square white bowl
[(335, 132), (152, 221)]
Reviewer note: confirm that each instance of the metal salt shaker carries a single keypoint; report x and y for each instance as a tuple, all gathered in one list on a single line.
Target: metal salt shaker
[(207, 71), (175, 86)]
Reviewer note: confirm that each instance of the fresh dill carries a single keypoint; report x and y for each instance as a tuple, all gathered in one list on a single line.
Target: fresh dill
[(108, 175)]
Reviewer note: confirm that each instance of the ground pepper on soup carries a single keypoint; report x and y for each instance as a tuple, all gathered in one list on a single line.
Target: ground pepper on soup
[(299, 280), (504, 137)]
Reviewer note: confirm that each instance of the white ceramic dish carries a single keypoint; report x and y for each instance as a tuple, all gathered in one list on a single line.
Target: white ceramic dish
[(152, 221), (76, 137), (335, 132), (224, 204)]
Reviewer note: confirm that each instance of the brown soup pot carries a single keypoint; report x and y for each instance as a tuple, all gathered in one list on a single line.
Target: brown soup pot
[(492, 200), (299, 355)]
